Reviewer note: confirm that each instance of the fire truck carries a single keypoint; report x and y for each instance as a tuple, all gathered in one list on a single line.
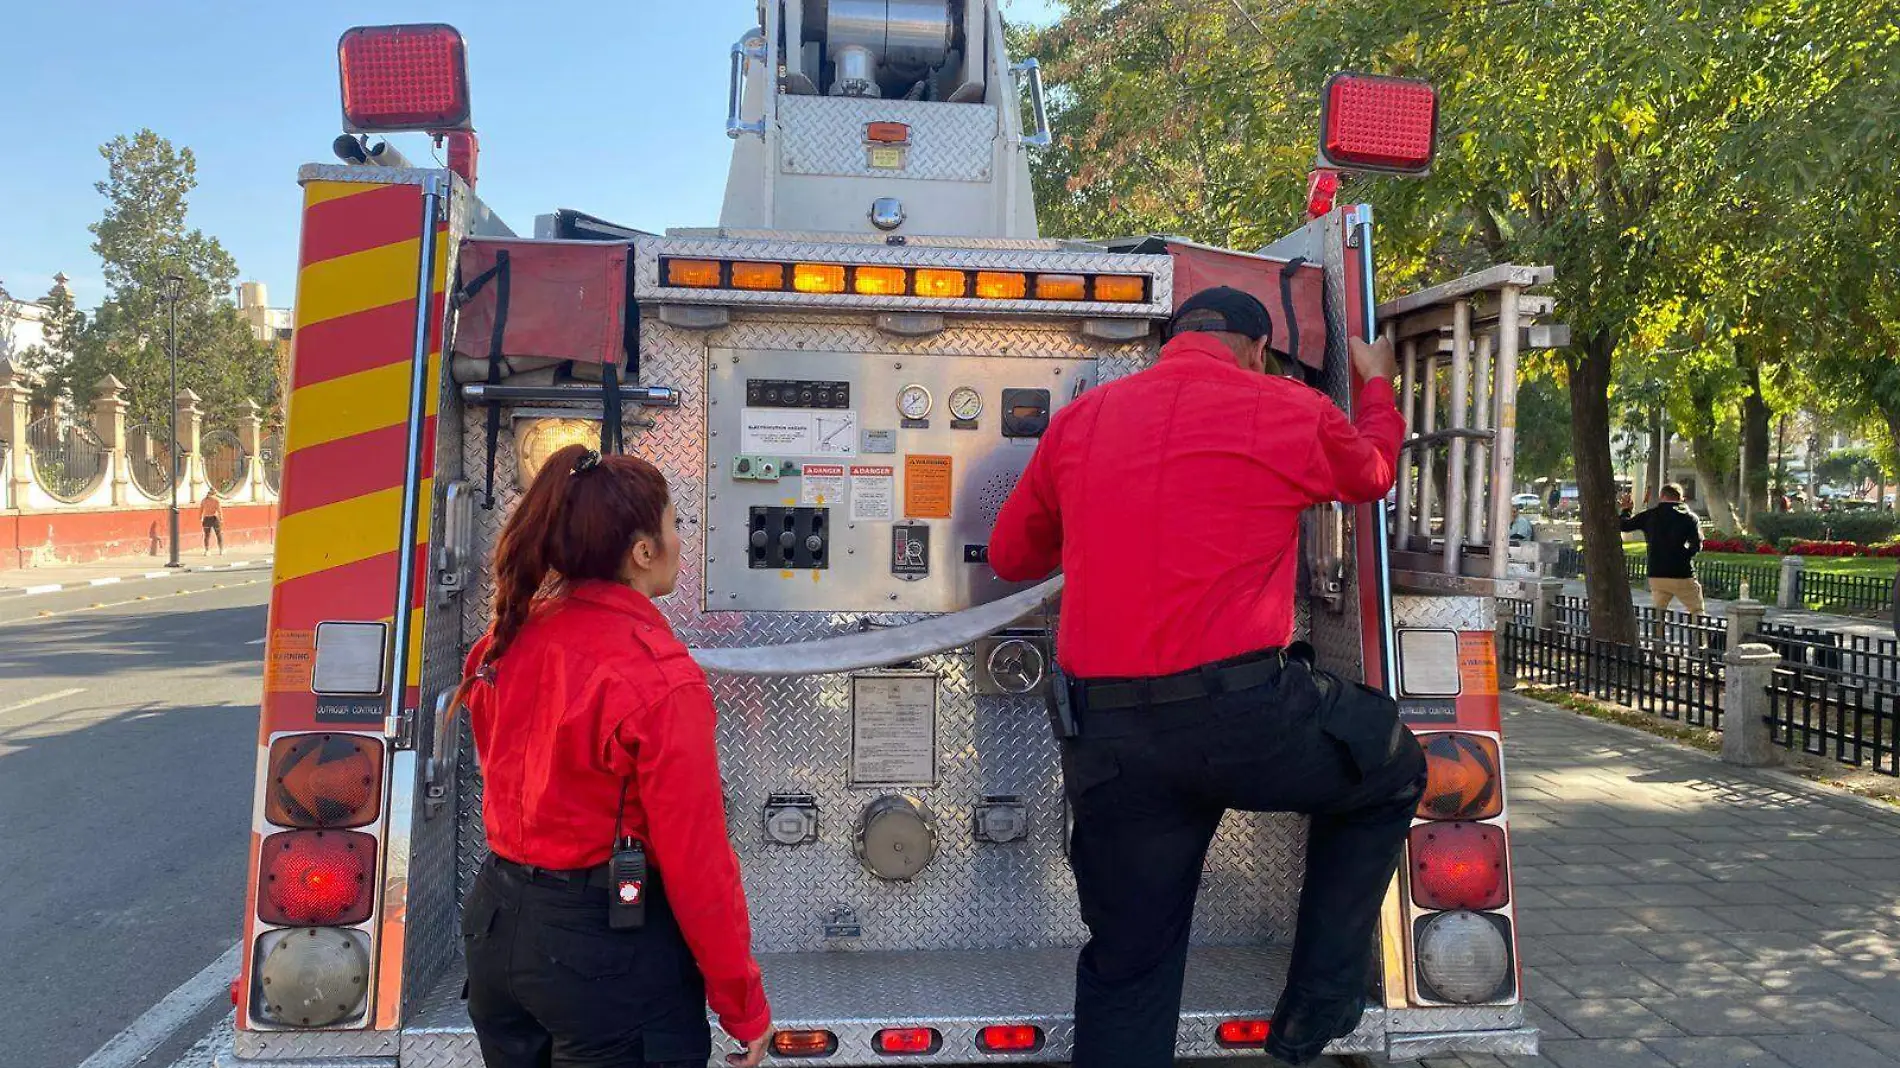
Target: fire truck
[(842, 381)]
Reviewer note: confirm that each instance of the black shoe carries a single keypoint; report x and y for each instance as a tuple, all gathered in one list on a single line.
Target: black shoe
[(1302, 1029)]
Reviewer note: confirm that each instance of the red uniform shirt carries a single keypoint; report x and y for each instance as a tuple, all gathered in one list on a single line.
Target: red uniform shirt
[(596, 692), (1171, 500)]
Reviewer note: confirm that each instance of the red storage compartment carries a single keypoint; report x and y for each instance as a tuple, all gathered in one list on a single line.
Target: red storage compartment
[(557, 300), (1294, 292)]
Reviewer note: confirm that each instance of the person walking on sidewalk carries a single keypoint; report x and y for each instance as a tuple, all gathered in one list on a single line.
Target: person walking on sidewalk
[(1674, 536), (211, 519)]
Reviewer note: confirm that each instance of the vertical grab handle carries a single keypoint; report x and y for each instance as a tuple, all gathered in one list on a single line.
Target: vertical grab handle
[(1041, 138), (751, 46)]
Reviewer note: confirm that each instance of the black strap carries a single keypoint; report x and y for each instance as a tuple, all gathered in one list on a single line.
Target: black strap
[(631, 342), (500, 273), (1232, 676), (621, 812), (1287, 274), (610, 418)]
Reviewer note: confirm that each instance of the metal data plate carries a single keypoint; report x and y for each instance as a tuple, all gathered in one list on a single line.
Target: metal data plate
[(902, 525)]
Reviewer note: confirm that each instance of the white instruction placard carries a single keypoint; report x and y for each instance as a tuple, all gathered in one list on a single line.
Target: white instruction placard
[(894, 730), (873, 492), (777, 431), (798, 432), (821, 485)]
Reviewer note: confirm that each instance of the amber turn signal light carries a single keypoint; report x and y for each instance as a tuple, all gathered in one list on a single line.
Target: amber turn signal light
[(804, 1044), (1462, 778), (324, 780)]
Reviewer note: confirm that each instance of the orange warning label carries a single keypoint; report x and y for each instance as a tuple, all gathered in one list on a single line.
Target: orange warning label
[(1478, 663), (927, 487), (292, 658)]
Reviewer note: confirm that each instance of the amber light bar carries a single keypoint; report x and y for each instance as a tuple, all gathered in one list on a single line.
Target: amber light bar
[(942, 283)]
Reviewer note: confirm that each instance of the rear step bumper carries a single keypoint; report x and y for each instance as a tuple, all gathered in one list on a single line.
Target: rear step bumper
[(854, 995)]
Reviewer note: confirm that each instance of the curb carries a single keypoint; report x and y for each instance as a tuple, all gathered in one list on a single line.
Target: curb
[(56, 587)]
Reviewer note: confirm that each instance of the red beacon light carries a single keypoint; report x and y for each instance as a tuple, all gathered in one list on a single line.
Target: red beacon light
[(1369, 122), (408, 77)]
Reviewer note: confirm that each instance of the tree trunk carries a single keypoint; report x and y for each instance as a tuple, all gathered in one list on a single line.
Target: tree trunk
[(1657, 471), (1712, 481), (1606, 576), (1754, 435)]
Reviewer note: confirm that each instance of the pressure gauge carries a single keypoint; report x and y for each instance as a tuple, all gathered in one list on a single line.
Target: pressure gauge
[(966, 403), (913, 401)]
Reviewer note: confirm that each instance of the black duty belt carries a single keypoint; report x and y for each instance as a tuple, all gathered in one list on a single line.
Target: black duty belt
[(571, 878), (1245, 672)]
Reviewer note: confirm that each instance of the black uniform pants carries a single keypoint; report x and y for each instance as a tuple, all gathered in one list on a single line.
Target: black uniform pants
[(1147, 788), (550, 985)]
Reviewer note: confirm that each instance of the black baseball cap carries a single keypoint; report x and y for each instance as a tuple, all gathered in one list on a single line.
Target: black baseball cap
[(1239, 312)]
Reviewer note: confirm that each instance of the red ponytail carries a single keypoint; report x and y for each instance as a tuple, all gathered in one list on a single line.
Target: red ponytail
[(576, 522)]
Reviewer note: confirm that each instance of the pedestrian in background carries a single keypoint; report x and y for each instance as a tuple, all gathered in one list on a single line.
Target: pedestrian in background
[(1674, 536), (211, 520)]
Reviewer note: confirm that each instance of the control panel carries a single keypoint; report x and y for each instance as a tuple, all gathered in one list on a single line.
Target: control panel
[(847, 482)]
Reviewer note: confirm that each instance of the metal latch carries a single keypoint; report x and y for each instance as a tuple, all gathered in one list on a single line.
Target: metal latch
[(791, 819), (842, 922), (1001, 818)]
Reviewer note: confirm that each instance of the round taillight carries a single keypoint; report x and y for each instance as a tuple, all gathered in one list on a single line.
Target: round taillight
[(311, 977), (316, 878), (324, 780), (1462, 781), (1464, 958), (1459, 866)]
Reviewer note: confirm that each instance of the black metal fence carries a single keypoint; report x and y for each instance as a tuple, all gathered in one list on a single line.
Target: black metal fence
[(226, 464), (1852, 593), (69, 460), (271, 457), (1835, 697), (148, 453), (1677, 683)]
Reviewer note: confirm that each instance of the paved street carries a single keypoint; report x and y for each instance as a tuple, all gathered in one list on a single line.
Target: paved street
[(127, 735)]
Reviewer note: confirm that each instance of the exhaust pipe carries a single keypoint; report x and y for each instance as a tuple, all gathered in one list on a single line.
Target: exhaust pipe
[(356, 151)]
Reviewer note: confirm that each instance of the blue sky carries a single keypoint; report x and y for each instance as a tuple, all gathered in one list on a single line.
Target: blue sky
[(617, 109)]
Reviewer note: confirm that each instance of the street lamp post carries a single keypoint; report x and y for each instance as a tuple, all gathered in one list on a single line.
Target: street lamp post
[(174, 284)]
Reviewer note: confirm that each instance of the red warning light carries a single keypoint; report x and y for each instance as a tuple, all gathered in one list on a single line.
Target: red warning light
[(1373, 123), (412, 77)]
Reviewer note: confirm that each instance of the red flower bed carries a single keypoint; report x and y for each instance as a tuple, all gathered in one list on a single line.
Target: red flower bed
[(1840, 548)]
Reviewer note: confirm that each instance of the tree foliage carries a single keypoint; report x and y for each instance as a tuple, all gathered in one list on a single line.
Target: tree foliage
[(141, 238), (1671, 160)]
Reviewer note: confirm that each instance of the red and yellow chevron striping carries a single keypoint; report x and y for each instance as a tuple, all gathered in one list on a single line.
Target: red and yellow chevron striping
[(347, 429)]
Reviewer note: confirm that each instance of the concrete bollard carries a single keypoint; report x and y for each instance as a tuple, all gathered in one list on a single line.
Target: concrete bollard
[(1749, 669), (1744, 621), (1544, 608), (1790, 595)]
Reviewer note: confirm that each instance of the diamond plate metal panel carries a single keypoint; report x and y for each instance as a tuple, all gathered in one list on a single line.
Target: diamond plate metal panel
[(833, 237), (647, 285), (431, 944), (1445, 613), (225, 1058), (854, 995), (825, 135), (792, 735), (1337, 637), (313, 1045)]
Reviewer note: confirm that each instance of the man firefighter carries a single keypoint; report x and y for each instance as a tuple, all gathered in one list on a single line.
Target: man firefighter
[(1171, 500)]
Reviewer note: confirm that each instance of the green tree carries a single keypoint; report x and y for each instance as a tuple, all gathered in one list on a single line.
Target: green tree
[(141, 238), (62, 325)]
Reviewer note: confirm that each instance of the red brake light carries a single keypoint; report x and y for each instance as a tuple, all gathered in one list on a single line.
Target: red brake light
[(902, 1040), (324, 780), (1374, 123), (1012, 1038), (412, 77), (316, 878), (1237, 1034), (1459, 866), (1461, 778)]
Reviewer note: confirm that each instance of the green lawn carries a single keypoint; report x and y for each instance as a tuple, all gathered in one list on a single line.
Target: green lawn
[(1832, 565)]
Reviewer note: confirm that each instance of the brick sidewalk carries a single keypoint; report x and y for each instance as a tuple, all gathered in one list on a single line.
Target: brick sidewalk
[(1676, 912)]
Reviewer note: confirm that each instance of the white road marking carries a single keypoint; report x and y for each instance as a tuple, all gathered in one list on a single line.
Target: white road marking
[(173, 1011), (105, 581), (41, 699), (255, 641), (53, 588)]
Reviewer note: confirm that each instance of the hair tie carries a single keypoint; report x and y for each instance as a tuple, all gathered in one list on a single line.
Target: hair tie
[(587, 462)]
